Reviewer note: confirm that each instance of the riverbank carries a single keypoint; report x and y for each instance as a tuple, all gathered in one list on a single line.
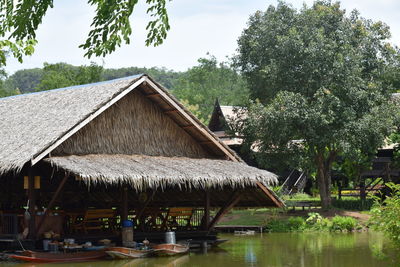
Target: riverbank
[(264, 217)]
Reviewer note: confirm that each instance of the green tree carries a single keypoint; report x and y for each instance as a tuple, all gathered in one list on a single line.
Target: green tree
[(202, 84), (25, 80), (20, 19), (319, 77), (161, 75), (62, 75)]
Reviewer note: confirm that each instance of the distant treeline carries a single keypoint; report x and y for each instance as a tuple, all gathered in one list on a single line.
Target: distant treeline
[(198, 87), (62, 74)]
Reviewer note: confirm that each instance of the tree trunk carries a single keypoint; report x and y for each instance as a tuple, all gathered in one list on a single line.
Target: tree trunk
[(324, 166)]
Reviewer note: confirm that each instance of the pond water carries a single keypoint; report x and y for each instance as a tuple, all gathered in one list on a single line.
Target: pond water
[(276, 249)]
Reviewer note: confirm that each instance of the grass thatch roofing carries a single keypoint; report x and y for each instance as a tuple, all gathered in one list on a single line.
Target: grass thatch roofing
[(30, 123), (143, 172), (33, 125)]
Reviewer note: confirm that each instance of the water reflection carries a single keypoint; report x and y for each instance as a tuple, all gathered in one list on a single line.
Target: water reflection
[(278, 250)]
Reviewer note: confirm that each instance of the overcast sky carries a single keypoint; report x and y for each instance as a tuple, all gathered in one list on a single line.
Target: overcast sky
[(197, 27)]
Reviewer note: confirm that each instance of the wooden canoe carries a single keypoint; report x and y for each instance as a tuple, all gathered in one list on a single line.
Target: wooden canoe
[(127, 253), (42, 257), (170, 249)]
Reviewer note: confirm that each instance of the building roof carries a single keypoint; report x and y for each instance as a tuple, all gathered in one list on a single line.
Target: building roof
[(221, 119), (143, 172), (68, 129), (33, 125)]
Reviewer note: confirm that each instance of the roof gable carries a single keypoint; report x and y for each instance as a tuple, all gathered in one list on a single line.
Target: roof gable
[(33, 125), (132, 126)]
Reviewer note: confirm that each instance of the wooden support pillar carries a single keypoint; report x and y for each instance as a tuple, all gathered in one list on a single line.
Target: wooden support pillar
[(206, 217), (139, 215), (124, 208), (274, 199), (363, 193), (225, 209), (52, 202), (31, 205)]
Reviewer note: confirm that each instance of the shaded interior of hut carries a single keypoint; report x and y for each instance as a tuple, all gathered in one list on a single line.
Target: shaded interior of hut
[(47, 202)]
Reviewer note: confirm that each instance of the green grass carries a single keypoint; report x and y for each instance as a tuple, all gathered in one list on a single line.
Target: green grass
[(256, 217)]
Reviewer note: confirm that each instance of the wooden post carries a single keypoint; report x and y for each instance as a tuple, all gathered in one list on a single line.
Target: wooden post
[(362, 190), (225, 209), (271, 195), (124, 210), (31, 205), (52, 202), (142, 209), (206, 217)]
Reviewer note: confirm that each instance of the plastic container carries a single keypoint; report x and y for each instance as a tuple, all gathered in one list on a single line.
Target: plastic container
[(46, 243), (127, 223), (127, 237), (170, 238)]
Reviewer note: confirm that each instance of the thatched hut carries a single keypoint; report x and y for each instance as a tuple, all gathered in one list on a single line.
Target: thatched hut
[(123, 141), (221, 121)]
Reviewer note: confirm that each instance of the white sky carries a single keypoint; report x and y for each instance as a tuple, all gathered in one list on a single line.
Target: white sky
[(197, 27)]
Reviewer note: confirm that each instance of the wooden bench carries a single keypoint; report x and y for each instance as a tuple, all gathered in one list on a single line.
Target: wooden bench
[(98, 219), (178, 218)]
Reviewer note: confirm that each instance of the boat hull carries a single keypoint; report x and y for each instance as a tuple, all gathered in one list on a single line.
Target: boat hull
[(170, 249), (127, 253), (47, 257)]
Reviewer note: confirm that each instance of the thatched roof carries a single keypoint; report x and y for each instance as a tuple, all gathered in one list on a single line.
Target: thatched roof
[(144, 172), (33, 125), (221, 119)]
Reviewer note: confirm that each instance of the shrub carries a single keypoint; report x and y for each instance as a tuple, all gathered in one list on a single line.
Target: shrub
[(340, 223), (277, 226), (292, 224), (353, 204), (316, 222), (296, 223), (386, 214), (313, 218)]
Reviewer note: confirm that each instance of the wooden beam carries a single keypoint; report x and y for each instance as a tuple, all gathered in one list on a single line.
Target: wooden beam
[(124, 208), (85, 121), (199, 126), (188, 126), (31, 205), (225, 209), (274, 198), (52, 202), (206, 217), (171, 111)]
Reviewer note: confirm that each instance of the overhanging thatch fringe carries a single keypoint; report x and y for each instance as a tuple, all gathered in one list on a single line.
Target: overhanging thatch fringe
[(142, 172)]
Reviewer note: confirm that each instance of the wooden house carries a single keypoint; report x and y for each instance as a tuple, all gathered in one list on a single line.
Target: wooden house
[(125, 145)]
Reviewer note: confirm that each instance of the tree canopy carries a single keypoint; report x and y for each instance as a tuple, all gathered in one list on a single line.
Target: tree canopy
[(20, 19), (318, 75), (209, 80)]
